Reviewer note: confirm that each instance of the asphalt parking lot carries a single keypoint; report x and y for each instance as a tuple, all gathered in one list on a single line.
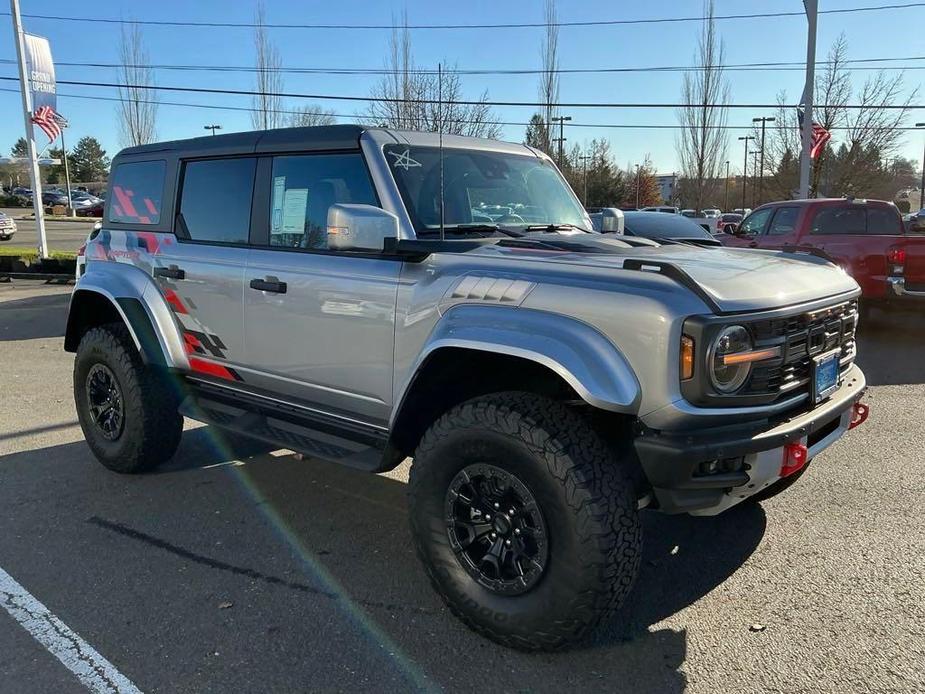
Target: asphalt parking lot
[(62, 235), (234, 568)]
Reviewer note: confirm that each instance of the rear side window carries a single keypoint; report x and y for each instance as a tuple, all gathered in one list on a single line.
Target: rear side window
[(137, 191), (784, 222), (883, 222), (840, 220), (215, 202)]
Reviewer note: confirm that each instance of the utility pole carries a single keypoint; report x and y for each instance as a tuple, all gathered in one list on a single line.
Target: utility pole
[(637, 186), (24, 86), (584, 160), (726, 198), (561, 138), (755, 155), (761, 168), (812, 9), (213, 128), (67, 175), (746, 138), (922, 187)]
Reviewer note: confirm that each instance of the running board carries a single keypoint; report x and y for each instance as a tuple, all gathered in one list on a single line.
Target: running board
[(282, 429)]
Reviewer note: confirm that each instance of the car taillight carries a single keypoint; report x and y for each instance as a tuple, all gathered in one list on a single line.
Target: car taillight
[(897, 255)]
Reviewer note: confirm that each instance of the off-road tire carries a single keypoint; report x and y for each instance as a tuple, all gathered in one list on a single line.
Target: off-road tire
[(779, 486), (587, 500), (152, 425)]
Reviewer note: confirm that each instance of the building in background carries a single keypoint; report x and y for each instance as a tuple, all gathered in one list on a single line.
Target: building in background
[(667, 185)]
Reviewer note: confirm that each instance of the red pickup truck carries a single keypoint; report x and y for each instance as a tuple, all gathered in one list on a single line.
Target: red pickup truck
[(866, 237)]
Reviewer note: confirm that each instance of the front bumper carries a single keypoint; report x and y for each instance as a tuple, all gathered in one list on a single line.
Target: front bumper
[(671, 460)]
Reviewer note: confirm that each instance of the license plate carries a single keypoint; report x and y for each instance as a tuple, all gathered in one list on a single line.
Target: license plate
[(825, 375)]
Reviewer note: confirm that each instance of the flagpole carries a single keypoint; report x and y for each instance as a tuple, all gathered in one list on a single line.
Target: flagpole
[(812, 8), (30, 140), (67, 173)]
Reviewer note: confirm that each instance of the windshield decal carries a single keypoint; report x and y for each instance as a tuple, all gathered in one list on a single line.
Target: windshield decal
[(403, 160)]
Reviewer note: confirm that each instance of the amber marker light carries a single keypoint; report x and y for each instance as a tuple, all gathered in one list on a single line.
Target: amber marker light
[(687, 357)]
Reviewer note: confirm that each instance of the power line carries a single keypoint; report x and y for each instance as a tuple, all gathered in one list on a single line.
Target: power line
[(461, 102), (354, 116), (506, 25), (769, 66)]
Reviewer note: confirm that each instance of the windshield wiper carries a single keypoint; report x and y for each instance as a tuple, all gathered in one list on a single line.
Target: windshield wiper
[(462, 229), (552, 228)]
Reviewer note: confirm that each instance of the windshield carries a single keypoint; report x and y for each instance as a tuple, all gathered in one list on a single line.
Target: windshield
[(482, 188), (652, 225)]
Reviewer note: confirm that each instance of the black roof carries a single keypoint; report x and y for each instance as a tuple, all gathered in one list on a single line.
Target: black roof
[(316, 138)]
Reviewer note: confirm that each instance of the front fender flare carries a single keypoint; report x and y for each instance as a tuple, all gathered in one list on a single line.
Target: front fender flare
[(143, 309), (584, 358)]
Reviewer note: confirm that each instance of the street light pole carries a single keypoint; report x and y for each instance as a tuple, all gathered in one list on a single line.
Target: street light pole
[(213, 128), (637, 186), (761, 170), (922, 187), (584, 159), (561, 138), (755, 156), (726, 199), (746, 138)]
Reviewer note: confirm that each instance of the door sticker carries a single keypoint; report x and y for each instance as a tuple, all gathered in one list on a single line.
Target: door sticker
[(279, 190), (295, 205)]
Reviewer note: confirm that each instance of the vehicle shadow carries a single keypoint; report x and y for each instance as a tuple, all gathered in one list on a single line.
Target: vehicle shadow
[(34, 317), (890, 347)]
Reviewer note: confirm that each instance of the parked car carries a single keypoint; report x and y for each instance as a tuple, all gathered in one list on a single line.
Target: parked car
[(7, 227), (661, 208), (92, 210), (743, 211), (81, 200), (865, 237), (676, 228), (729, 221), (326, 290), (53, 197), (712, 213)]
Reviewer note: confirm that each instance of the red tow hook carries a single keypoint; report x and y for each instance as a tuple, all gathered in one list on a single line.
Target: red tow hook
[(796, 455), (859, 415)]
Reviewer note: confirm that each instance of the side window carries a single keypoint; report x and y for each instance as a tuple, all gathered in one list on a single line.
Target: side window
[(215, 203), (784, 222), (137, 190), (755, 222), (840, 220), (883, 222), (303, 187)]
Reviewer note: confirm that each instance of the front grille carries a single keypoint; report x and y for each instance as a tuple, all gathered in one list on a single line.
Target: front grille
[(801, 337)]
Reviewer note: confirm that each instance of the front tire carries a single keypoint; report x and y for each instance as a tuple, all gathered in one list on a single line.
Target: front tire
[(563, 547), (127, 411)]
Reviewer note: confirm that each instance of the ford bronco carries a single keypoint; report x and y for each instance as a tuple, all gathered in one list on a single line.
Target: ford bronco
[(363, 295)]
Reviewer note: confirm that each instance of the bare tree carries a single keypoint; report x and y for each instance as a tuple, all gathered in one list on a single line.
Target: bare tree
[(549, 78), (311, 114), (705, 94), (266, 109), (409, 98), (137, 98)]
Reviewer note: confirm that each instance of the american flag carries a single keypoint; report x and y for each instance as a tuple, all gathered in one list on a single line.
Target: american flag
[(820, 136), (49, 121)]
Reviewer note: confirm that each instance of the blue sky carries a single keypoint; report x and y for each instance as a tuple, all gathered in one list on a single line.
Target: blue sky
[(891, 33)]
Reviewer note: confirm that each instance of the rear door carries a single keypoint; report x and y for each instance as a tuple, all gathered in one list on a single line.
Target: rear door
[(202, 275), (319, 323)]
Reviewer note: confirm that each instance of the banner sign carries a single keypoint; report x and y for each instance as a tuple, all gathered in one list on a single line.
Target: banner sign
[(41, 72)]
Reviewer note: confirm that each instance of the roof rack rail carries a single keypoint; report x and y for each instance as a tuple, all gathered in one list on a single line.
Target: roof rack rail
[(674, 272)]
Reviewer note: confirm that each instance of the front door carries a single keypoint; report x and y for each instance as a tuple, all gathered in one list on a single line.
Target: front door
[(319, 324), (747, 233), (782, 230)]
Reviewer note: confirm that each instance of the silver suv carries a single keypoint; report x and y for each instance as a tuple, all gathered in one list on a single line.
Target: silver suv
[(367, 295)]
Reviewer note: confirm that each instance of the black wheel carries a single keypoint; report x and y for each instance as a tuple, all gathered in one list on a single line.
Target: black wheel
[(127, 411), (779, 486), (525, 520)]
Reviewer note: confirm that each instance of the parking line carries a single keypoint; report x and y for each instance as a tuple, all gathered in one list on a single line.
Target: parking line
[(93, 670)]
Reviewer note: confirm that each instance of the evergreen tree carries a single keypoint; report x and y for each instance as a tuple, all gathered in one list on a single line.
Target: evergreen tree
[(88, 161), (21, 148), (537, 134)]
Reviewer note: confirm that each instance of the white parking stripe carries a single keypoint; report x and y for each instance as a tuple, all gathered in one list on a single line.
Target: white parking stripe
[(93, 670)]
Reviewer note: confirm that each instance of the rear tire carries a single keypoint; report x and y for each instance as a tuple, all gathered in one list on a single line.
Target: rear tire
[(127, 411), (524, 449)]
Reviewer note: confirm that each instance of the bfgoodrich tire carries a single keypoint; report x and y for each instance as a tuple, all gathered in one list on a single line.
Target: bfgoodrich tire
[(128, 412), (525, 521)]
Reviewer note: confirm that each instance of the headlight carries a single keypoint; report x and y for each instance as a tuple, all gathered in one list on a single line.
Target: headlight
[(728, 375)]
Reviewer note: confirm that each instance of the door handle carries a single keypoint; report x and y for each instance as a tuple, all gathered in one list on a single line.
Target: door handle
[(269, 284), (173, 272)]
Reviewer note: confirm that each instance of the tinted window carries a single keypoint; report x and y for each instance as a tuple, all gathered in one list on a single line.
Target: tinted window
[(137, 191), (784, 222), (654, 225), (216, 200), (840, 220), (304, 187), (755, 222), (883, 222)]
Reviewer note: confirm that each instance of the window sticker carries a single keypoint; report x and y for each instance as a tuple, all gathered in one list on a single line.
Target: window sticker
[(403, 160), (279, 192), (295, 205)]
